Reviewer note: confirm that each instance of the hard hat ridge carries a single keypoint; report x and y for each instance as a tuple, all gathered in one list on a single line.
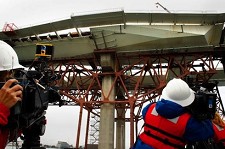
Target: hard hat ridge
[(179, 92), (8, 57)]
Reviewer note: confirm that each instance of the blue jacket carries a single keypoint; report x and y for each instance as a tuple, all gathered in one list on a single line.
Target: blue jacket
[(195, 130)]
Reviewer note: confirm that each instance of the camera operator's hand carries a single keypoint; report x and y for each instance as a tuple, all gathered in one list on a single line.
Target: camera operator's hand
[(10, 94), (218, 120)]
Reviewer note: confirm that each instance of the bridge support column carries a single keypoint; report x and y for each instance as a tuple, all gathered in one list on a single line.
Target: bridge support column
[(106, 132), (120, 129)]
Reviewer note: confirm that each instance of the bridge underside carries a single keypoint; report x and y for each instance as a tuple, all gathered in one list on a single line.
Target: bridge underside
[(131, 41)]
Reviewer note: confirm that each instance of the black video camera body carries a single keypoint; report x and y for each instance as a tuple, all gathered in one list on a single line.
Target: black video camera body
[(38, 90), (204, 105), (36, 97)]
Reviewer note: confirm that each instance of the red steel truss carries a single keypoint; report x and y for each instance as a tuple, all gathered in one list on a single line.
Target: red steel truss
[(9, 29), (139, 78)]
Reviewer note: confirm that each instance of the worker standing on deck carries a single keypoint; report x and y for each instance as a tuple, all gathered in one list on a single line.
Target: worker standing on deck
[(9, 95), (169, 125)]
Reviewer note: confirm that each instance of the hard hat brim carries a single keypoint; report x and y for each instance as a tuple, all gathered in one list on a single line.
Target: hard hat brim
[(19, 67)]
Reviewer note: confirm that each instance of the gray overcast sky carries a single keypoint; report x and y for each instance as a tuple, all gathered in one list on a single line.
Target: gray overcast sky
[(29, 12), (62, 122)]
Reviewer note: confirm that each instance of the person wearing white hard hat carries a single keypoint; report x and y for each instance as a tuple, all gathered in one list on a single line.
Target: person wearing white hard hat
[(169, 125), (9, 94)]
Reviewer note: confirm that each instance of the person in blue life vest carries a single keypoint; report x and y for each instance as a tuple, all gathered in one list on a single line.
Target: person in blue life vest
[(169, 125)]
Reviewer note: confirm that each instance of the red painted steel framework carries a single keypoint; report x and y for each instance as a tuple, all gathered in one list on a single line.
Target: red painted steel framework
[(138, 78)]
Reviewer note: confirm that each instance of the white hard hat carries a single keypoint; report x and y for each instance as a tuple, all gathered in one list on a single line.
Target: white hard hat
[(8, 57), (179, 92)]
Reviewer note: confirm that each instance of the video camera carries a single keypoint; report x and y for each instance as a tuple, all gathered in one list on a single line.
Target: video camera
[(204, 105), (38, 89)]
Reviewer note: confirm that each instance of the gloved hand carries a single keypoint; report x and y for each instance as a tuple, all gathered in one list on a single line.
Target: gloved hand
[(218, 120)]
